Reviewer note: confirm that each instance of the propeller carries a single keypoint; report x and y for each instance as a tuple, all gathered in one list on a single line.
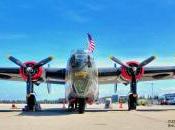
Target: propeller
[(48, 84), (30, 70), (115, 85), (43, 62), (48, 88), (133, 70), (16, 61), (147, 61), (115, 88), (119, 62)]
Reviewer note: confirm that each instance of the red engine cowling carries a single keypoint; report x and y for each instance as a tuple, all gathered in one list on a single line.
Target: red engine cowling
[(126, 74), (36, 74)]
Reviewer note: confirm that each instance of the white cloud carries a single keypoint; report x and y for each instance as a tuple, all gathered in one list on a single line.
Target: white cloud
[(75, 16)]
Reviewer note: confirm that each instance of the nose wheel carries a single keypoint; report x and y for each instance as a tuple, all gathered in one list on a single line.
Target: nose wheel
[(78, 105), (81, 105), (72, 106)]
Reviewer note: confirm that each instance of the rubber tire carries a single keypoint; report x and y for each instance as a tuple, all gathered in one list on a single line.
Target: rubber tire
[(132, 102), (81, 105), (31, 102), (71, 107)]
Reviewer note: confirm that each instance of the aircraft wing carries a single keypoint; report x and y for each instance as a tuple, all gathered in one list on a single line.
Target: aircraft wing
[(50, 75), (55, 75), (10, 73), (112, 75), (105, 75)]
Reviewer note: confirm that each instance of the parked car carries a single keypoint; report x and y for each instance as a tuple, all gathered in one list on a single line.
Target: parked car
[(171, 101)]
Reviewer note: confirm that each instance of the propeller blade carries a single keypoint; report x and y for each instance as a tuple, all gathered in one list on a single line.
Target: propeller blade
[(115, 65), (115, 88), (43, 62), (48, 88), (16, 61), (147, 61), (119, 62), (48, 84)]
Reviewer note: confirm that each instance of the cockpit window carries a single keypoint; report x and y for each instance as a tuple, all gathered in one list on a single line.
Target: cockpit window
[(80, 60), (80, 56)]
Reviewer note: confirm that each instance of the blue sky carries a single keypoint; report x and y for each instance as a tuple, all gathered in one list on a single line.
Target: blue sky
[(130, 30)]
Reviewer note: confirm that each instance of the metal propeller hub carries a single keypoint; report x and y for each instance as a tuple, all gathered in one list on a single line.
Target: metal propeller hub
[(29, 70)]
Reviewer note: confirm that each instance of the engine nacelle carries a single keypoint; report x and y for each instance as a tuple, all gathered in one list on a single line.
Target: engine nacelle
[(36, 74), (125, 74)]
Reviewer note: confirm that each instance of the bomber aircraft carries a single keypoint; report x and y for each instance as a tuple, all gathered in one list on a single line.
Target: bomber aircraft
[(81, 77)]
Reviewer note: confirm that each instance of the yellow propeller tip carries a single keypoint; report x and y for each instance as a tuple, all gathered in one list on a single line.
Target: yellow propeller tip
[(110, 57), (155, 57), (7, 56), (51, 57)]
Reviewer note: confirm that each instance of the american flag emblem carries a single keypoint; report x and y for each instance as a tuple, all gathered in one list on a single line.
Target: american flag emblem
[(91, 43)]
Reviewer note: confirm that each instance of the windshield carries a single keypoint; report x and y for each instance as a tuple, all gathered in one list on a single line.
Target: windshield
[(80, 56), (78, 60)]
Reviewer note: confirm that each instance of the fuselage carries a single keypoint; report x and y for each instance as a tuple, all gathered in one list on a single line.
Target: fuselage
[(82, 78)]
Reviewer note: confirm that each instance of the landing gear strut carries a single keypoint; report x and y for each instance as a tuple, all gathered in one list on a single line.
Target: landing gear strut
[(77, 105), (132, 98), (32, 105), (31, 102)]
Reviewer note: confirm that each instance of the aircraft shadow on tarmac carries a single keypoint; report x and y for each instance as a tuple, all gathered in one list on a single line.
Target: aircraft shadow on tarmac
[(154, 110), (59, 112), (48, 112), (62, 112), (56, 112)]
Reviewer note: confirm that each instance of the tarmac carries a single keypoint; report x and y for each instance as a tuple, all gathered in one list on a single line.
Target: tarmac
[(55, 117)]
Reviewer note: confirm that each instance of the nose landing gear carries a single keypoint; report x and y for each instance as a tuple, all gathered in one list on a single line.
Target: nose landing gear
[(81, 105), (78, 105)]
